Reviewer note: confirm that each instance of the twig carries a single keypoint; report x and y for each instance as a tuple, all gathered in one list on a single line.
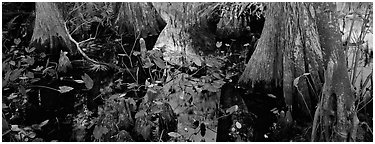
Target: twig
[(211, 129), (315, 123), (76, 8), (40, 86), (5, 133), (84, 54), (161, 135), (368, 127), (79, 48), (365, 104), (87, 40)]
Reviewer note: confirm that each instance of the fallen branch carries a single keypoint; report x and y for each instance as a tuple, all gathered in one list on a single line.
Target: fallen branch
[(77, 44)]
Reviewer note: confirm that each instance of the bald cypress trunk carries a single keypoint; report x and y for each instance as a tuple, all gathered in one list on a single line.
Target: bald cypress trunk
[(187, 32), (335, 118), (49, 32), (288, 57)]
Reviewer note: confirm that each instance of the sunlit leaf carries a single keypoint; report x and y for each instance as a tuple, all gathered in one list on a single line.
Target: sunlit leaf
[(17, 41), (238, 125), (13, 63), (136, 53), (122, 55), (12, 96), (219, 44), (232, 109), (23, 78), (65, 89), (158, 103), (271, 95), (174, 134), (43, 123), (306, 74), (38, 68), (79, 81), (197, 61), (64, 62), (89, 83), (15, 128), (296, 81), (32, 134)]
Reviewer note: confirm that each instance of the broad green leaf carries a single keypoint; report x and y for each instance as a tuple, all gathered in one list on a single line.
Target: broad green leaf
[(136, 53), (65, 89), (15, 74), (12, 96), (64, 62), (43, 123), (174, 134), (13, 63), (232, 109), (197, 61), (219, 44), (296, 81), (15, 128), (238, 125), (89, 83)]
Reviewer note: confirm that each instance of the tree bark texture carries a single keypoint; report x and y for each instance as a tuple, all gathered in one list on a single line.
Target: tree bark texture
[(187, 31), (288, 55), (336, 116), (140, 18), (234, 17), (49, 31)]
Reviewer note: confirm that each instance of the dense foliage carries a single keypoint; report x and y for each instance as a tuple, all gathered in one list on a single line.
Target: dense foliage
[(141, 97)]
